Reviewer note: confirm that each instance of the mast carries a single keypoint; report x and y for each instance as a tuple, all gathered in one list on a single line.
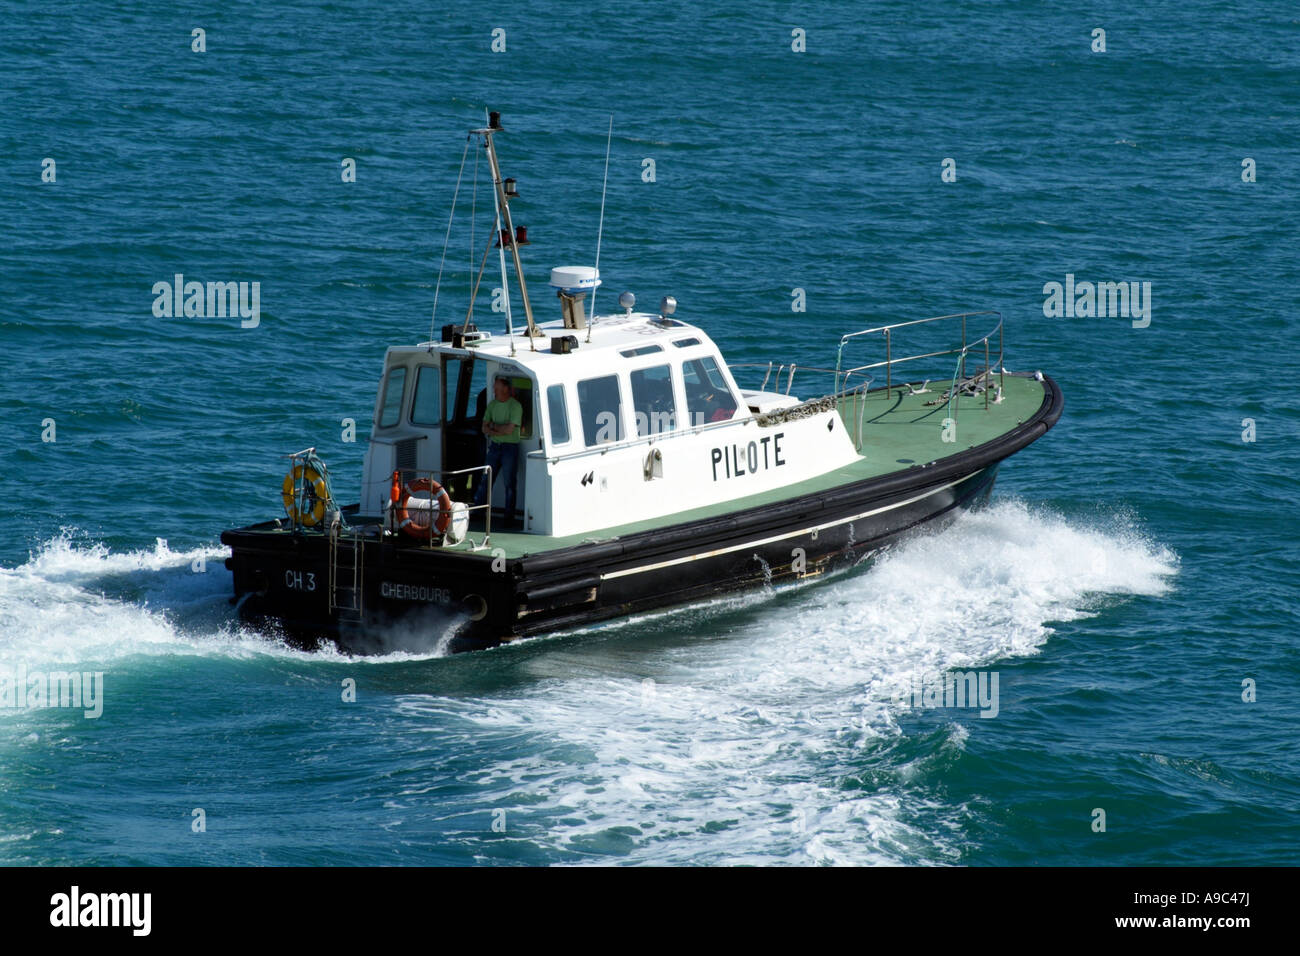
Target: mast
[(507, 234), (505, 288)]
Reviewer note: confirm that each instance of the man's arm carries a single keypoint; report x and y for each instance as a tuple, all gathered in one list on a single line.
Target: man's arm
[(505, 428), (516, 418)]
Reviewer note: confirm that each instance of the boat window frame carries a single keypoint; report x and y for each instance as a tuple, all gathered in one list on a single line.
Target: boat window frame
[(450, 386), (463, 392), (722, 377), (383, 397), (674, 373), (621, 435), (637, 351), (415, 396), (551, 439)]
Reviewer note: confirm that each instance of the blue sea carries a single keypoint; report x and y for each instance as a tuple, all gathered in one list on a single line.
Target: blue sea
[(1133, 583)]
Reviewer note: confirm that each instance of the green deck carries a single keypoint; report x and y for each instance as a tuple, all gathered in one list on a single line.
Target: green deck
[(899, 431)]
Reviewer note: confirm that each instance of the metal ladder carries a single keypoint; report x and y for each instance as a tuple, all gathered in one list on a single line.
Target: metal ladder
[(347, 573)]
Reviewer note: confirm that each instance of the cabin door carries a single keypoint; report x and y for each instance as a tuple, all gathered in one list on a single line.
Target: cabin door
[(464, 400)]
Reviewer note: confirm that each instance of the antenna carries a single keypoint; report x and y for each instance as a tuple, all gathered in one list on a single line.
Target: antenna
[(600, 231)]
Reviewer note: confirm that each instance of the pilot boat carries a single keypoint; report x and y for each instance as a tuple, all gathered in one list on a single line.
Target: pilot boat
[(648, 471)]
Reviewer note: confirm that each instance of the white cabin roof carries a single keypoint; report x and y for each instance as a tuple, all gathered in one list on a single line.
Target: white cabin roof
[(611, 336)]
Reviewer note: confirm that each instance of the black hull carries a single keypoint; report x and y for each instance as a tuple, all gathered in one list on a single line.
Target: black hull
[(484, 600)]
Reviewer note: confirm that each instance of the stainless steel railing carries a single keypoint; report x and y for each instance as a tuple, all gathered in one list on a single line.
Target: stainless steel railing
[(967, 345), (304, 499), (775, 373), (445, 479)]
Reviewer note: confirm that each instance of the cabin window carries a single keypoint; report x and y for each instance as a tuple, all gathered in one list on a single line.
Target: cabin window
[(600, 403), (641, 350), (708, 399), (391, 408), (479, 393), (465, 396), (653, 406), (686, 343), (449, 397), (428, 393), (557, 410)]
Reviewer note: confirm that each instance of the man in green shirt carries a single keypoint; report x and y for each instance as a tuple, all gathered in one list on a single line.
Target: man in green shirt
[(502, 420)]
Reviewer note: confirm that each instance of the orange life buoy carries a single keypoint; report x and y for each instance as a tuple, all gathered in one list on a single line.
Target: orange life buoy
[(417, 525)]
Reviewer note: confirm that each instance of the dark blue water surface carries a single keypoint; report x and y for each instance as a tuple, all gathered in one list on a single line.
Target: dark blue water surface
[(1139, 563)]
